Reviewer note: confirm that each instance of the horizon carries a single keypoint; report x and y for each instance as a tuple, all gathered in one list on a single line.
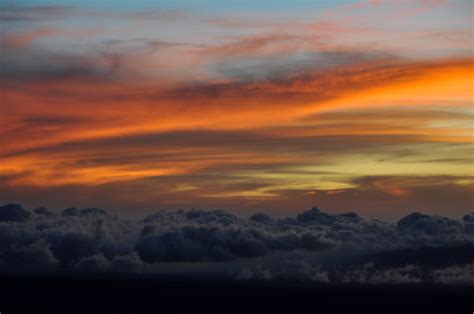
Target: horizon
[(136, 215)]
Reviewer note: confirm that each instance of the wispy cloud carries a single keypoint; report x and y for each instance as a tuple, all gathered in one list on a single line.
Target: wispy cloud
[(274, 110)]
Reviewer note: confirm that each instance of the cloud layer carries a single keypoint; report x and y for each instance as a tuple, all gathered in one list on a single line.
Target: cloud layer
[(313, 246)]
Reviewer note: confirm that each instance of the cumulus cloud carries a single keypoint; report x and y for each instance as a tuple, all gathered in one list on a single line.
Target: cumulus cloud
[(456, 274), (297, 269), (419, 223), (13, 212), (312, 246)]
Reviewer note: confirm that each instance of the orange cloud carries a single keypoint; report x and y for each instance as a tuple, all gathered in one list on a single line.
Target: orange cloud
[(57, 111), (264, 112)]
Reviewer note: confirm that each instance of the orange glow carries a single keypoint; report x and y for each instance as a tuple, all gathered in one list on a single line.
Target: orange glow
[(267, 107), (367, 101)]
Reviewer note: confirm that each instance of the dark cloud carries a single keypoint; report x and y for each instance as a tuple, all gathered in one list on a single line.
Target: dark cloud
[(262, 247), (284, 67), (426, 224), (33, 64), (36, 256), (447, 265), (13, 212), (43, 211), (468, 223), (455, 274), (303, 83), (251, 141)]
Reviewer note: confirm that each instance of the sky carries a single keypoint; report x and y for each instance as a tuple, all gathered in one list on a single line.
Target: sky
[(272, 106)]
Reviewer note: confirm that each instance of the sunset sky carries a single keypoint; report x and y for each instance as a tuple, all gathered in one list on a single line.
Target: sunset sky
[(272, 106)]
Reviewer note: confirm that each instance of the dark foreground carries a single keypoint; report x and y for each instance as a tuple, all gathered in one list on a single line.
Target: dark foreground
[(60, 294)]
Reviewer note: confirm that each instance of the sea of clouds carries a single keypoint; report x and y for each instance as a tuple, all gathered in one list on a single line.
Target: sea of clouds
[(313, 246)]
